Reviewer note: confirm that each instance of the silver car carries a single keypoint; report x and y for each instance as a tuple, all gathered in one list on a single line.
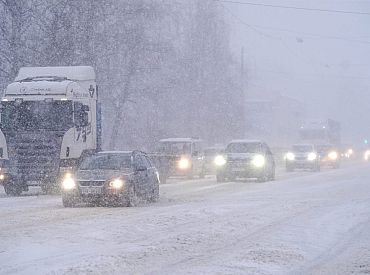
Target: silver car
[(112, 178)]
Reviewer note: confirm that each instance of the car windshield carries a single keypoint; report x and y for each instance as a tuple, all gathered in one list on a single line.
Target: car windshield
[(212, 152), (36, 115), (106, 162), (175, 147), (302, 148), (247, 147)]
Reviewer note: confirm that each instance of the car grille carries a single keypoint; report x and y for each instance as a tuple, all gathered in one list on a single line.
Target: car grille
[(239, 163), (91, 183), (301, 158)]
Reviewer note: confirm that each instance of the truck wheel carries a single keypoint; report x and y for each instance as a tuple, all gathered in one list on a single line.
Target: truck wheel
[(12, 189), (68, 201)]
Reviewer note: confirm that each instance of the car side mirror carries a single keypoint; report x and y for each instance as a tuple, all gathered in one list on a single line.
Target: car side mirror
[(195, 153)]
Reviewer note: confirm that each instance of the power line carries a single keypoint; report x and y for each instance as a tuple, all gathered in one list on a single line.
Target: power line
[(292, 7), (258, 28)]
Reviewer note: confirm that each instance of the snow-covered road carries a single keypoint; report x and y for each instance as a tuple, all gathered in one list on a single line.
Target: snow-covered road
[(303, 223)]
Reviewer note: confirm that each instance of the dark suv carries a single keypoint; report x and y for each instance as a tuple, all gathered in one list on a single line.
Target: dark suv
[(114, 178), (246, 159), (302, 156)]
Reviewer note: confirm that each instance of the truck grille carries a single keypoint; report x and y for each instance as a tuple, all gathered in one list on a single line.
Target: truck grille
[(34, 156)]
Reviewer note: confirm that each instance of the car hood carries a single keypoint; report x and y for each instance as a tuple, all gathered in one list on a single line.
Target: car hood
[(241, 156), (301, 154), (101, 174)]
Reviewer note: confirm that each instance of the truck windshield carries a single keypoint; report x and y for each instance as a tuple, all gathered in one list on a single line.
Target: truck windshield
[(36, 115), (244, 148), (106, 162), (313, 134), (175, 147)]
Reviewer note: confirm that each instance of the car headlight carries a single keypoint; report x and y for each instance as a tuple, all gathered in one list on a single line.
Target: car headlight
[(184, 163), (258, 161), (333, 155), (290, 156), (117, 184), (220, 160), (367, 155), (312, 156), (2, 177), (68, 182)]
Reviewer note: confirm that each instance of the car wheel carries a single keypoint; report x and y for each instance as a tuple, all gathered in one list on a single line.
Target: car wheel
[(68, 201), (155, 194), (272, 174), (131, 197)]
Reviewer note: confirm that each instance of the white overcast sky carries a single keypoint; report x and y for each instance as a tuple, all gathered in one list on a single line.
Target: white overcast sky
[(320, 58)]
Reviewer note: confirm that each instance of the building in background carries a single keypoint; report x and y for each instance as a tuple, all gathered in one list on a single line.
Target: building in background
[(275, 120)]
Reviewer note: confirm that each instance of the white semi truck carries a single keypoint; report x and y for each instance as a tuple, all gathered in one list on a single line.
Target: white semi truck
[(320, 131), (50, 118)]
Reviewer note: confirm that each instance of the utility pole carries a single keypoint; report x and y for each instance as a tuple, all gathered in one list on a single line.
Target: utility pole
[(242, 79)]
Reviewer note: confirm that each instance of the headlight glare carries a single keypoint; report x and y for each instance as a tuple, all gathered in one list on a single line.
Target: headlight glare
[(220, 160), (68, 182), (117, 183), (312, 156), (184, 163), (333, 155), (258, 161), (290, 156)]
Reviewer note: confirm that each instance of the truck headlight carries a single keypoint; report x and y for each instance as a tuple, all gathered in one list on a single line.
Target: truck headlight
[(184, 163), (312, 156), (220, 160), (117, 184), (333, 155), (290, 156), (258, 161), (68, 182)]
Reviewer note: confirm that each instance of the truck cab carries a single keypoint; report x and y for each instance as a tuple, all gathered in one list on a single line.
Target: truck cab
[(48, 121)]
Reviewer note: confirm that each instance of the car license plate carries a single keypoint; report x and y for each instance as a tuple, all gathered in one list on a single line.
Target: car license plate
[(238, 169), (91, 190), (33, 182)]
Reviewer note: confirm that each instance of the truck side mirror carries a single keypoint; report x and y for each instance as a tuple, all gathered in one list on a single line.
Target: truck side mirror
[(81, 115)]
